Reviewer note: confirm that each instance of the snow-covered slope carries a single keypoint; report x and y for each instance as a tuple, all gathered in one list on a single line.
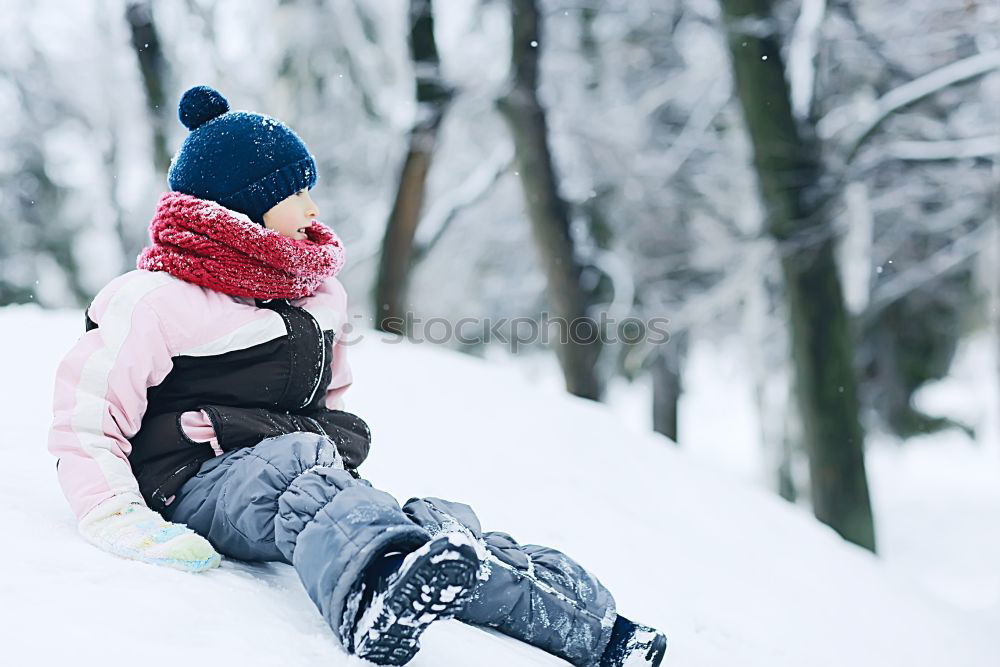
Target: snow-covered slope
[(732, 574)]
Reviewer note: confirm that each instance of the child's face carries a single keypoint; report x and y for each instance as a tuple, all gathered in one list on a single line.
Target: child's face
[(291, 216)]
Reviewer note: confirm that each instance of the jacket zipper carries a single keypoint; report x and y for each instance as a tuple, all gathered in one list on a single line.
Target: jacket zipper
[(322, 364)]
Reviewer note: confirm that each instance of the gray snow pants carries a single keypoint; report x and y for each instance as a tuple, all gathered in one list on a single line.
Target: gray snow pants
[(289, 499)]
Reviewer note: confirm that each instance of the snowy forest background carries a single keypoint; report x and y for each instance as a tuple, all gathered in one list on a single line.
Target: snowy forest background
[(808, 187)]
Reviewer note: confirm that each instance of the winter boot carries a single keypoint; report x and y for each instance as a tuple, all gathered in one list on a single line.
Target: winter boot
[(401, 595), (633, 644)]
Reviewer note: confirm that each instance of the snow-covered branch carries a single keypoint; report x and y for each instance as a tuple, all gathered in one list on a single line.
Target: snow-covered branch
[(957, 149), (366, 63), (698, 123), (658, 95), (918, 89), (944, 260), (801, 68), (476, 186)]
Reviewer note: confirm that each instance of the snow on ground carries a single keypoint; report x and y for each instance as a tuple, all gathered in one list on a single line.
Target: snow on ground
[(734, 575), (937, 497)]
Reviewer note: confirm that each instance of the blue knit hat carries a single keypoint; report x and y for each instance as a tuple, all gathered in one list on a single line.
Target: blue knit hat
[(248, 162)]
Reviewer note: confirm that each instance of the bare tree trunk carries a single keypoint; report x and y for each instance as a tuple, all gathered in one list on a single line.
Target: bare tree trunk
[(789, 172), (153, 68), (433, 97), (667, 387), (578, 347)]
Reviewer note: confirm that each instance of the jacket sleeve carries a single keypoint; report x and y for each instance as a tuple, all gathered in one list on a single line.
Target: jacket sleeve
[(341, 378), (100, 394), (235, 428)]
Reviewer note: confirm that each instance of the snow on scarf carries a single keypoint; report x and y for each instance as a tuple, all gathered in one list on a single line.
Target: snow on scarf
[(203, 242)]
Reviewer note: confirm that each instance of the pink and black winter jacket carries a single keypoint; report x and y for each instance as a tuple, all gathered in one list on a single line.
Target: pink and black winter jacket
[(162, 357)]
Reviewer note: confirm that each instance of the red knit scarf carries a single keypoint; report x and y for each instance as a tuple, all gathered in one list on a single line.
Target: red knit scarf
[(203, 242)]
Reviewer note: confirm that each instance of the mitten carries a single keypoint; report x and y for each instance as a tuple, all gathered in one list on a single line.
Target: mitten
[(124, 526)]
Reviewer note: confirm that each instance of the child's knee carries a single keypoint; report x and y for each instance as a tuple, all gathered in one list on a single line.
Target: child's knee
[(294, 453), (264, 472)]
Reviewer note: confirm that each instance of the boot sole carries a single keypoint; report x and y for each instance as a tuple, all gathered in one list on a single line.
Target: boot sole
[(657, 650), (434, 586), (639, 653)]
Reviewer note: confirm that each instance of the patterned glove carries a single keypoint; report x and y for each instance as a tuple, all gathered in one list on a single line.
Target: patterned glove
[(124, 526)]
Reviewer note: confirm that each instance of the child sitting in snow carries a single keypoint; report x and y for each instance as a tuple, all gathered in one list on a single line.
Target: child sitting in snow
[(208, 391)]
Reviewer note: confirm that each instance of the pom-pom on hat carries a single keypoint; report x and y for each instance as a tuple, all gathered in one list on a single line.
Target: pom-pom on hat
[(248, 162)]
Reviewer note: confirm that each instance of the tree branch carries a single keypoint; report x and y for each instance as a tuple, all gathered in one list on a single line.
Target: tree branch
[(941, 262), (801, 68), (447, 207), (916, 90), (956, 149)]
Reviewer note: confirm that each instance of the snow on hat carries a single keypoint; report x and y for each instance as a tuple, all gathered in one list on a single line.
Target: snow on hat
[(246, 161)]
